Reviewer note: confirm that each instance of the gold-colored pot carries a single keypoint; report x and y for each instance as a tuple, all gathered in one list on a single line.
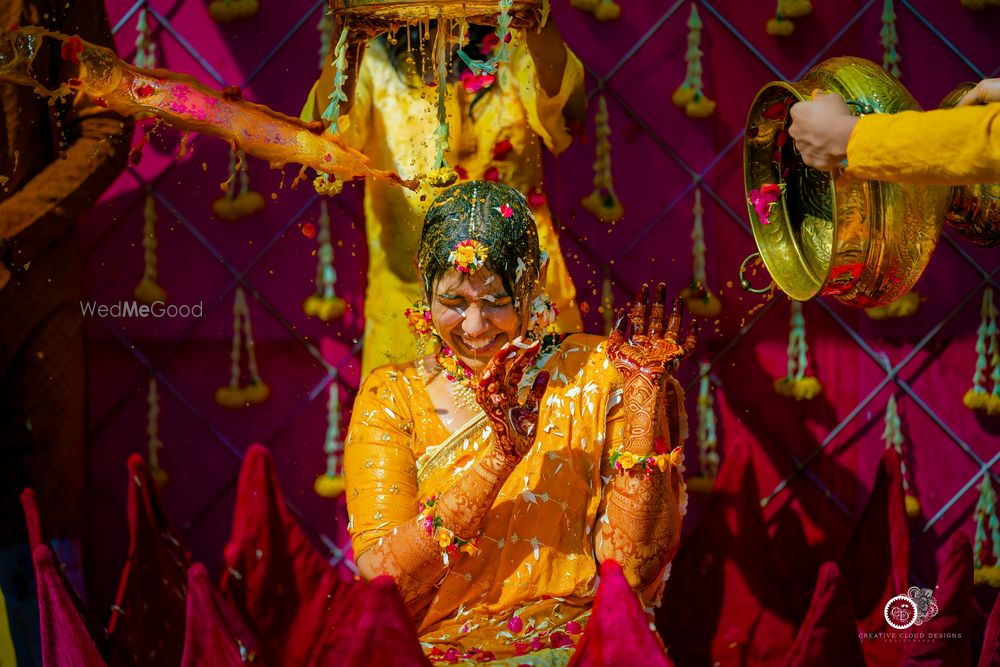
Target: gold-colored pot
[(864, 243), (391, 13), (973, 210)]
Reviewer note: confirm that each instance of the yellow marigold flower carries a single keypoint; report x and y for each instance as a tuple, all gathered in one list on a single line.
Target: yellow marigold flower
[(444, 538), (628, 460), (663, 462), (682, 95), (780, 27), (988, 574), (701, 108)]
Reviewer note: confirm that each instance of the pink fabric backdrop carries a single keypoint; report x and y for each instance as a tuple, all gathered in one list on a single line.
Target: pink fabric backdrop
[(658, 154)]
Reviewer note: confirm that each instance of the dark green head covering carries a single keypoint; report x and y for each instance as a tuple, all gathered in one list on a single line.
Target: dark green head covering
[(474, 210)]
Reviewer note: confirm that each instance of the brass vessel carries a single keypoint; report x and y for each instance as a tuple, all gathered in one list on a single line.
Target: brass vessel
[(864, 243), (386, 14), (973, 210)]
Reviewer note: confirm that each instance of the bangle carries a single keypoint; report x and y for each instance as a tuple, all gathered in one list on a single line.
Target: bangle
[(622, 460), (451, 543)]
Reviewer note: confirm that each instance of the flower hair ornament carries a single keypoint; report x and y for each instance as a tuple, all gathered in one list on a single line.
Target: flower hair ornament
[(469, 256)]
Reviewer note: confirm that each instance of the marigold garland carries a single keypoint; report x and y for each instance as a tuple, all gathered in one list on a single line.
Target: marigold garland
[(232, 205), (646, 463), (698, 298), (987, 355), (324, 303), (331, 483), (904, 306), (153, 433), (233, 395), (227, 11), (708, 450), (889, 39), (796, 384), (148, 291), (689, 95), (987, 532), (603, 203), (893, 437)]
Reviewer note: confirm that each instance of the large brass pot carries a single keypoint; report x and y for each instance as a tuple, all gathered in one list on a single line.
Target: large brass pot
[(391, 13), (973, 210), (863, 242)]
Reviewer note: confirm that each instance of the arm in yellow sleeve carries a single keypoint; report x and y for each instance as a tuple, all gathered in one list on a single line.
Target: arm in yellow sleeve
[(547, 113), (958, 146), (355, 114)]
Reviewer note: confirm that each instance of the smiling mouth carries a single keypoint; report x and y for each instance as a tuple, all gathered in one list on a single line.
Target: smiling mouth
[(480, 346)]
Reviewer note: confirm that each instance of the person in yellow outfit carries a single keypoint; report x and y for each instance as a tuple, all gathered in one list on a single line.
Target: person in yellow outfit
[(491, 477), (959, 146), (496, 129)]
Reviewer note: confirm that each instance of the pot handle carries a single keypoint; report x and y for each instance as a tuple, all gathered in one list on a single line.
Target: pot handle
[(863, 108), (745, 284)]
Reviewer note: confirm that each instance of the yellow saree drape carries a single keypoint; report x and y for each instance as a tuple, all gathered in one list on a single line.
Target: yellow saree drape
[(536, 556)]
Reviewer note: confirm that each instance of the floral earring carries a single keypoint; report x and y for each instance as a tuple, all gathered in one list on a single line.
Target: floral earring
[(418, 318)]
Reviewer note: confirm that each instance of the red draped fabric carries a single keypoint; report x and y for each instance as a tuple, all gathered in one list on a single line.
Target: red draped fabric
[(147, 621), (724, 603), (65, 640), (990, 656), (618, 633), (208, 640), (828, 637), (288, 593)]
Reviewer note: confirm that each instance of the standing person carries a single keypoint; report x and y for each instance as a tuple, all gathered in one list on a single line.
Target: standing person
[(56, 158), (496, 129), (492, 477)]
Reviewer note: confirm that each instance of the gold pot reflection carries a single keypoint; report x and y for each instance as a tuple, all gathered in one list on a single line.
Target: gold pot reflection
[(864, 243), (973, 210)]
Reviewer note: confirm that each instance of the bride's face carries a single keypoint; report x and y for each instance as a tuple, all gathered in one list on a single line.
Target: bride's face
[(474, 315)]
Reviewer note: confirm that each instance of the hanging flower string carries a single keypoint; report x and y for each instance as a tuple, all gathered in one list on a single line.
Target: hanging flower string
[(153, 434), (331, 483), (148, 291), (987, 354), (889, 39), (987, 565), (232, 205), (603, 203), (780, 26), (502, 55), (893, 437), (689, 95), (698, 299), (708, 441), (324, 303), (332, 112), (904, 306), (145, 48), (443, 174), (257, 391), (227, 11), (796, 384)]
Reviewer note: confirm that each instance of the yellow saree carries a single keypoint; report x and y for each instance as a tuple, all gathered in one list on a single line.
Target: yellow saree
[(527, 593)]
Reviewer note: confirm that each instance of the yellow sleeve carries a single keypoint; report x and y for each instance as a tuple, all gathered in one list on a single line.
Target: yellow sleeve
[(958, 146), (354, 124), (379, 468), (545, 114)]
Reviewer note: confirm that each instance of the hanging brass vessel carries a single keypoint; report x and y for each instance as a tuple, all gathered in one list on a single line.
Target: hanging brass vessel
[(864, 243), (387, 14), (973, 210)]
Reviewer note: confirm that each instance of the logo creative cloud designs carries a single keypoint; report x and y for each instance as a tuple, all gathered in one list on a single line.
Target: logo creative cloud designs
[(914, 608)]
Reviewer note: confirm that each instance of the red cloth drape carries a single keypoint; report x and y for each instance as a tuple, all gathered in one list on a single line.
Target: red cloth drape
[(65, 640), (990, 656), (208, 640), (724, 603), (948, 635), (287, 592), (618, 633), (828, 637), (147, 621)]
